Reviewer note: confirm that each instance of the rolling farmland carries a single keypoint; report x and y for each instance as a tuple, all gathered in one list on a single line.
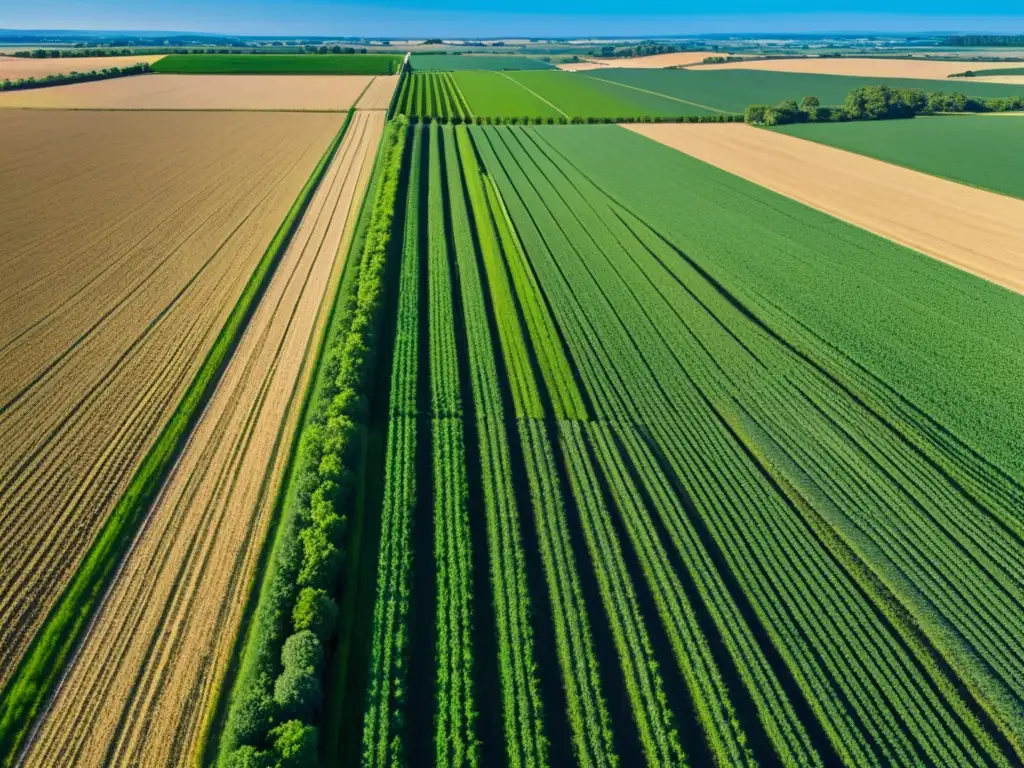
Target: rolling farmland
[(673, 574), (876, 68), (979, 152), (160, 644), (108, 311), (273, 93)]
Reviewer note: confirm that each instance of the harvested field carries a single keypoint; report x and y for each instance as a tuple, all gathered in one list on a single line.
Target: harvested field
[(378, 94), (977, 231), (658, 61), (1000, 79), (14, 68), (139, 689), (117, 279), (200, 92), (910, 68)]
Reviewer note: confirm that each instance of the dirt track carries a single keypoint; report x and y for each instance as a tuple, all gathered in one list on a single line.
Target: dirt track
[(17, 68), (194, 92), (867, 67), (139, 690), (378, 94), (124, 242), (977, 231)]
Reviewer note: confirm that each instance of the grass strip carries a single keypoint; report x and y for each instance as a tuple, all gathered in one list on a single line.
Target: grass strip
[(53, 645)]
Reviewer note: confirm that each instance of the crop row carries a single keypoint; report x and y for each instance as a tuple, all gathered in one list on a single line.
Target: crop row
[(432, 95), (706, 421)]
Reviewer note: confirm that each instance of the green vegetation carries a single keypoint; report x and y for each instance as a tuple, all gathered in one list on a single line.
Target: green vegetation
[(734, 90), (980, 151), (729, 515), (457, 62), (991, 72), (495, 93), (433, 95), (51, 649), (280, 683), (279, 64), (74, 77)]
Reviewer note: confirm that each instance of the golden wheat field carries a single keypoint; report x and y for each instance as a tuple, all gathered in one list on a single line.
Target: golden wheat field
[(125, 240), (140, 687), (15, 68), (378, 93), (198, 92)]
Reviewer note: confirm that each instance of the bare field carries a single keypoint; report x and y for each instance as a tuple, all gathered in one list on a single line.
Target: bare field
[(126, 239), (14, 68), (199, 92), (1004, 79), (910, 68), (658, 61), (378, 94), (139, 689), (977, 231)]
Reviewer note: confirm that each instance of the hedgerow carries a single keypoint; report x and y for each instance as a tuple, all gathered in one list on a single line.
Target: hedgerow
[(281, 682)]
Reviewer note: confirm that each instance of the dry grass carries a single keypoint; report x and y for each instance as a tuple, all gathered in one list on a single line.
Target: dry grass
[(1004, 79), (127, 238), (909, 68), (139, 688), (658, 61), (378, 94), (976, 231), (13, 68), (231, 92)]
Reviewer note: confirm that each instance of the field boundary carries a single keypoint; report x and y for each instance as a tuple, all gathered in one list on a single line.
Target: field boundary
[(533, 93), (663, 95), (59, 637)]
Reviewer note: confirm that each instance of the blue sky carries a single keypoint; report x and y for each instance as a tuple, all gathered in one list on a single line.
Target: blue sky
[(396, 18)]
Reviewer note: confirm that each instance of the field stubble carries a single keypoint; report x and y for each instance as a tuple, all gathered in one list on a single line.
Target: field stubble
[(108, 310), (140, 687)]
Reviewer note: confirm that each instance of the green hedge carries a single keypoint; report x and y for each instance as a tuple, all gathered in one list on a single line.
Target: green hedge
[(280, 683), (74, 77), (536, 120), (51, 649)]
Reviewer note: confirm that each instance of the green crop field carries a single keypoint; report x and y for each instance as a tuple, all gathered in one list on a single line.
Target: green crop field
[(432, 95), (735, 90), (430, 62), (982, 151), (278, 64), (498, 94), (565, 95), (682, 472), (992, 72)]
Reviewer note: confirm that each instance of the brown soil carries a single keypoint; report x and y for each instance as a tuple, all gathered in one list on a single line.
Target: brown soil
[(378, 95), (127, 239), (14, 68), (243, 92), (974, 230), (909, 68), (140, 688)]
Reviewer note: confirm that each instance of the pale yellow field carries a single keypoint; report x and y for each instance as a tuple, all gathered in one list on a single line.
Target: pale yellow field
[(139, 689), (915, 69), (1004, 79), (125, 240), (659, 61), (378, 94), (196, 92), (977, 231), (15, 68)]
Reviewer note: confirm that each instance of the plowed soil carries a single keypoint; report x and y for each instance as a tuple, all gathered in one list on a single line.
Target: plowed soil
[(125, 240), (139, 689), (378, 94), (974, 230), (912, 68), (15, 68), (242, 92)]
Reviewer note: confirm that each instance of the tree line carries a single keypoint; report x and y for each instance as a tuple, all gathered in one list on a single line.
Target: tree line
[(877, 102), (979, 40), (66, 78), (577, 120)]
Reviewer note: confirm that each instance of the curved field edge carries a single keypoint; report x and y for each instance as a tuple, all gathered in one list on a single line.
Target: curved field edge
[(53, 645), (275, 587)]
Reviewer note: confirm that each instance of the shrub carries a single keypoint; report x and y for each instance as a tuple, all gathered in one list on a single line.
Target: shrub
[(755, 114), (298, 693), (295, 745), (250, 757), (317, 612)]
